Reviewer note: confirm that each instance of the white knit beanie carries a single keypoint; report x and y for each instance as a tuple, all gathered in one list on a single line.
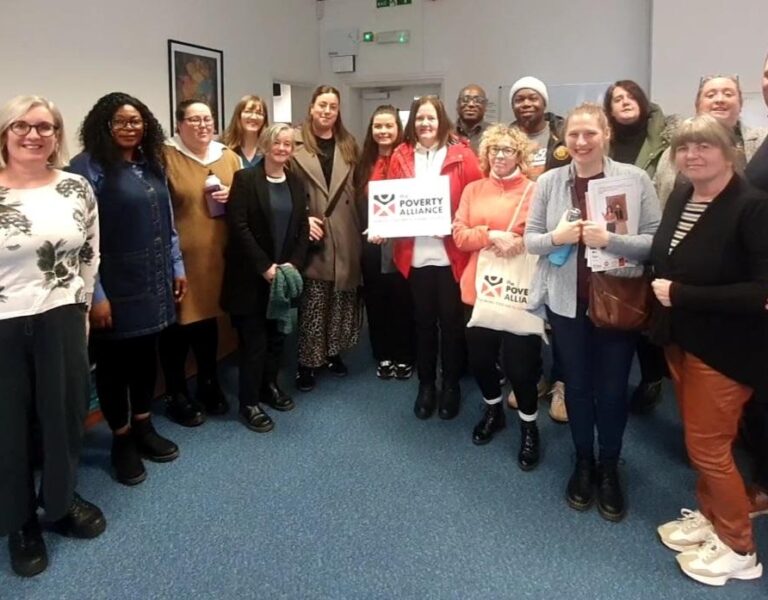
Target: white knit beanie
[(531, 83)]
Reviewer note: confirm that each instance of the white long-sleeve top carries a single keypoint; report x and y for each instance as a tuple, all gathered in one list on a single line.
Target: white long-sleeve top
[(49, 246), (429, 251)]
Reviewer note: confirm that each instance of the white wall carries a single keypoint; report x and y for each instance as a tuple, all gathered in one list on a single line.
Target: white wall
[(74, 52), (692, 38), (493, 42)]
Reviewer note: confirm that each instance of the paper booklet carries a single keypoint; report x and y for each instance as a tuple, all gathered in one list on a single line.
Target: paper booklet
[(613, 202)]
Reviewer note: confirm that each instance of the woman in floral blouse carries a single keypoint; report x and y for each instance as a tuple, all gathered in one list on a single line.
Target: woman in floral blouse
[(49, 256)]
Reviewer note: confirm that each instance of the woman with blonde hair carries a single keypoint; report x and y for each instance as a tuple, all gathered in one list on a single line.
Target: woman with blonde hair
[(249, 118), (49, 249), (329, 312), (484, 219), (595, 360), (710, 255)]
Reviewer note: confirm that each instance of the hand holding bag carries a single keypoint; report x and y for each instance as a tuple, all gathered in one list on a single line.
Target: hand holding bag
[(502, 284)]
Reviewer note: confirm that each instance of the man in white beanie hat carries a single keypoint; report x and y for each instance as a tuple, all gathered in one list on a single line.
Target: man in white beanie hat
[(529, 99)]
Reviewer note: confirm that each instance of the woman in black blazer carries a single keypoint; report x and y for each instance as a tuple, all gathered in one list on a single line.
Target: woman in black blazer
[(711, 259), (268, 227)]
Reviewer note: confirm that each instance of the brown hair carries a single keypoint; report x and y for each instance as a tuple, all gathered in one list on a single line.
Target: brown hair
[(496, 133), (345, 141), (370, 151), (593, 110), (444, 124), (234, 134), (706, 129)]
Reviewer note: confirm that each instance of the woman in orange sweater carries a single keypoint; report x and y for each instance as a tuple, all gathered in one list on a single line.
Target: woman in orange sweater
[(483, 220)]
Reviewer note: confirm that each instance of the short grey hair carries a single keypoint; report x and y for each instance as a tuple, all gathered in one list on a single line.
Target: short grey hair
[(15, 109), (270, 133)]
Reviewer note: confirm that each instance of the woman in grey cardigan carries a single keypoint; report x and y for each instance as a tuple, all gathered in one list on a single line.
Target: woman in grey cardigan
[(595, 361)]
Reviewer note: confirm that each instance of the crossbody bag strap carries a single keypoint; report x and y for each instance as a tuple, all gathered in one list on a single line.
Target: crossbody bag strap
[(520, 205)]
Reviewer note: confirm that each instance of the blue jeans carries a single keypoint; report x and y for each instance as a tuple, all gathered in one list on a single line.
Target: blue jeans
[(595, 365)]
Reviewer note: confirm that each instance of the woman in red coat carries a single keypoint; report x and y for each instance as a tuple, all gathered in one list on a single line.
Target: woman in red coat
[(433, 265)]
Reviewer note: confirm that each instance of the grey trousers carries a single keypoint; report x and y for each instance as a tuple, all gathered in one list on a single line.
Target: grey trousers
[(44, 375)]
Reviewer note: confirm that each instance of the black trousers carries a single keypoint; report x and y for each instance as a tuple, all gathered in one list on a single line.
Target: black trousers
[(260, 352), (439, 315), (653, 366), (175, 341), (389, 307), (126, 372), (44, 372), (520, 359)]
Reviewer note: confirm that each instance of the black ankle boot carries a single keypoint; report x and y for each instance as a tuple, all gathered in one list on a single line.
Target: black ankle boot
[(29, 556), (425, 401), (450, 401), (610, 498), (210, 396), (151, 444), (83, 520), (126, 460), (528, 457), (493, 420), (579, 493)]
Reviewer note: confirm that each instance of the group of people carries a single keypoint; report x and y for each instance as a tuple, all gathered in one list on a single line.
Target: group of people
[(144, 243)]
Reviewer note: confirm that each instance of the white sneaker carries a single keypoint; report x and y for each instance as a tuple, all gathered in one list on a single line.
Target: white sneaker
[(714, 563), (557, 410), (687, 532)]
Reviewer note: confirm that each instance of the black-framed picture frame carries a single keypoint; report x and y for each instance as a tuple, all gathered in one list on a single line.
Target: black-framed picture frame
[(196, 72)]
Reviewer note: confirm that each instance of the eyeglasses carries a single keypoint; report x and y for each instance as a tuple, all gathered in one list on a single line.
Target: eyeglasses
[(703, 80), (481, 100), (22, 128), (506, 151), (129, 124), (199, 121), (252, 113)]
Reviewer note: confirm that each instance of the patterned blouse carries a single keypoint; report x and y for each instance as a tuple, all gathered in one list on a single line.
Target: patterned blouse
[(49, 246)]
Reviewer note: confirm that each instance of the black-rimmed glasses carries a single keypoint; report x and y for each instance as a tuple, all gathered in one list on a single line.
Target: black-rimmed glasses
[(44, 129)]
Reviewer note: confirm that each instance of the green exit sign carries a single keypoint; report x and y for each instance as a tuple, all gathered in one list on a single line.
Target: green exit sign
[(387, 3)]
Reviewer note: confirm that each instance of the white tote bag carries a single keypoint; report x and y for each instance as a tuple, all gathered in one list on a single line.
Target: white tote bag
[(502, 284)]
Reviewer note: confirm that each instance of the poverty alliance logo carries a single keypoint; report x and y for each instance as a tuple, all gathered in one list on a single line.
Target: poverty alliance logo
[(493, 286), (384, 205)]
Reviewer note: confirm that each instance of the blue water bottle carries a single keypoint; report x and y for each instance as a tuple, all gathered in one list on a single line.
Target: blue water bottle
[(559, 256)]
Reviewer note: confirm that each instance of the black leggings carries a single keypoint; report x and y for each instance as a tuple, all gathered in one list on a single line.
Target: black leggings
[(520, 359), (175, 342), (126, 371)]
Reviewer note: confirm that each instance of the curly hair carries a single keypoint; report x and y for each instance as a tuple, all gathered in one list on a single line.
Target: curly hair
[(498, 133), (96, 136)]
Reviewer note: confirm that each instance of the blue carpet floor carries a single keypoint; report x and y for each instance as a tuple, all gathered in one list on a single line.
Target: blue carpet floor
[(352, 497)]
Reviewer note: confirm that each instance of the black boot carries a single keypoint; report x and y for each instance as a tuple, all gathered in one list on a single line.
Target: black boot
[(210, 396), (450, 400), (645, 397), (27, 549), (610, 498), (152, 445), (273, 396), (580, 493), (180, 409), (528, 457), (493, 420), (83, 520), (126, 460), (425, 401)]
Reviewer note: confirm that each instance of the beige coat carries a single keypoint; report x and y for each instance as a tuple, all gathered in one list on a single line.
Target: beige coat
[(666, 173), (202, 239), (339, 258)]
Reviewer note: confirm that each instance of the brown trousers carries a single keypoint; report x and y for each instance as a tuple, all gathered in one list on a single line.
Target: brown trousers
[(711, 405)]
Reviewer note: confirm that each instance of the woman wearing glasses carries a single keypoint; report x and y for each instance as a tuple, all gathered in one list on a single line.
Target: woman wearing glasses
[(249, 119), (721, 97), (194, 161), (134, 295), (484, 220), (49, 244)]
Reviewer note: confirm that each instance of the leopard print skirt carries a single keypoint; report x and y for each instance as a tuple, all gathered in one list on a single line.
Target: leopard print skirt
[(329, 322)]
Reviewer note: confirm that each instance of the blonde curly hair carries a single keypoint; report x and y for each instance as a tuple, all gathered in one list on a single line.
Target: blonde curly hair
[(498, 133)]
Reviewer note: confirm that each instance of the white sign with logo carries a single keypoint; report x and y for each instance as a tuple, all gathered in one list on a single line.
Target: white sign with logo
[(409, 207)]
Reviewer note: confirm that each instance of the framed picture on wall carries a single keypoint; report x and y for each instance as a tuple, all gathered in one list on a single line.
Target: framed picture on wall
[(196, 72)]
